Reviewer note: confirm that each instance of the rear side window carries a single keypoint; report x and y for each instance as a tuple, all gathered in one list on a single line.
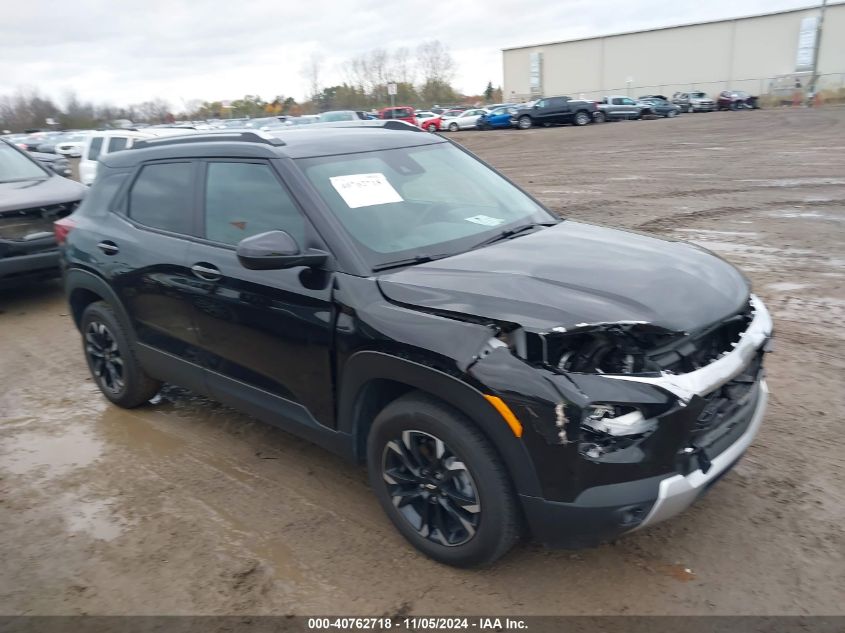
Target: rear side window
[(243, 199), (162, 197), (117, 143), (94, 149)]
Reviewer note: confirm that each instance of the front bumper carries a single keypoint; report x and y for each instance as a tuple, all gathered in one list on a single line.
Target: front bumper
[(603, 512)]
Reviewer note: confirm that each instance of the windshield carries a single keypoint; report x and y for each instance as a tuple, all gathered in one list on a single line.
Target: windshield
[(419, 201), (15, 166)]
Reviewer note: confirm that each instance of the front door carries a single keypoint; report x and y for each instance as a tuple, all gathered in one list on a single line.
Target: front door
[(267, 330)]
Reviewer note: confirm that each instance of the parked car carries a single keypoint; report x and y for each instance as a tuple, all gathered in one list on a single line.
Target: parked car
[(402, 113), (54, 162), (693, 101), (71, 143), (343, 115), (427, 120), (736, 100), (556, 110), (660, 107), (32, 196), (619, 107), (305, 119), (103, 142), (464, 120), (490, 366), (497, 118)]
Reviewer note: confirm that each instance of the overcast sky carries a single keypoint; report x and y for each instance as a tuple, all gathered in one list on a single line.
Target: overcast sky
[(124, 52)]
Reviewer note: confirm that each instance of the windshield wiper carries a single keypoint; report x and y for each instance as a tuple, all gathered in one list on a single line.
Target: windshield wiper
[(509, 233), (410, 261)]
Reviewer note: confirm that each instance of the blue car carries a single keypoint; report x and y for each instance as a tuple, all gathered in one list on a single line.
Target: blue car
[(496, 119)]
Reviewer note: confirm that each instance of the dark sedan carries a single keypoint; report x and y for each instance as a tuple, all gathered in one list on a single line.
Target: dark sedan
[(660, 107)]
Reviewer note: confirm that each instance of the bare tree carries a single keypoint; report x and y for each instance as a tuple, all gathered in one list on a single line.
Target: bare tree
[(311, 73), (435, 62), (402, 70)]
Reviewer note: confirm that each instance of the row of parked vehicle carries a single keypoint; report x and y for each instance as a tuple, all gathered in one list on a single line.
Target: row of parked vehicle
[(566, 110)]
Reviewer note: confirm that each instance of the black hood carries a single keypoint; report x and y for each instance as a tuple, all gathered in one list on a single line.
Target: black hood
[(27, 194), (576, 273)]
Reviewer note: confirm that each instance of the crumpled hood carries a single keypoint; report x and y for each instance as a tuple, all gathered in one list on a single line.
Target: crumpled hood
[(37, 193), (576, 273)]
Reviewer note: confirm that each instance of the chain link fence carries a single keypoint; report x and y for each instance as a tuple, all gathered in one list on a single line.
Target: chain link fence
[(782, 90)]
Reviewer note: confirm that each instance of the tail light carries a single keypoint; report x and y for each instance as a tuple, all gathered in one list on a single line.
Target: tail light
[(61, 229)]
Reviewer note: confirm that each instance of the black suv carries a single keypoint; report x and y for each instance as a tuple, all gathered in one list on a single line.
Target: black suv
[(391, 297), (554, 110)]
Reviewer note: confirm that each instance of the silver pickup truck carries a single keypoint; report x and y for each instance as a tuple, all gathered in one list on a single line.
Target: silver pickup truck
[(616, 107)]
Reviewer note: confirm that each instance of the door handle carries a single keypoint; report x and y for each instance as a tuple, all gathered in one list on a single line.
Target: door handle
[(108, 247), (206, 272)]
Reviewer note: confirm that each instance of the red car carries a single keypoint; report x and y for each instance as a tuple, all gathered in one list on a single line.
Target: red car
[(402, 113)]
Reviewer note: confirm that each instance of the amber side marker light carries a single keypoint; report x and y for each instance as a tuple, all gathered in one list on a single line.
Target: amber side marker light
[(506, 413)]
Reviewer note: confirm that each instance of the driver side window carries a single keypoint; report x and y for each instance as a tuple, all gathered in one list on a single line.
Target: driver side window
[(244, 199)]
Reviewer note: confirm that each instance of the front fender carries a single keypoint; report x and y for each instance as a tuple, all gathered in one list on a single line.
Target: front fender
[(365, 366)]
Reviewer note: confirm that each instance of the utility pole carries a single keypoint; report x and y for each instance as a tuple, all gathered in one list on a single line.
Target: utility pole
[(814, 78)]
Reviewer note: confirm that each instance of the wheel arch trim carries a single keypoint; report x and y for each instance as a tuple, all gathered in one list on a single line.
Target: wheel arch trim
[(366, 366)]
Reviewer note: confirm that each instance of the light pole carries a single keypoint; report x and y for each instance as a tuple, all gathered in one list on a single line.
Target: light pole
[(814, 78)]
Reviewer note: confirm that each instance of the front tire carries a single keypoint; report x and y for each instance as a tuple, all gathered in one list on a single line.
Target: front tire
[(453, 127), (524, 122), (111, 358), (441, 482), (671, 114)]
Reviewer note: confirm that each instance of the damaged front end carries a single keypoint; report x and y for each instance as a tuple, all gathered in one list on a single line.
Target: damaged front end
[(618, 402)]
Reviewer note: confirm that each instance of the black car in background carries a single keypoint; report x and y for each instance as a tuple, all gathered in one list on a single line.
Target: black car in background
[(382, 292), (555, 111), (32, 197)]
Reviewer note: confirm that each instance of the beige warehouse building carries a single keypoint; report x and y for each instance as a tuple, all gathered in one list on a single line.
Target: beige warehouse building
[(762, 54)]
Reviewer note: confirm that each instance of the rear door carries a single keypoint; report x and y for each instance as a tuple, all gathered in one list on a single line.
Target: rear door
[(266, 334), (147, 255)]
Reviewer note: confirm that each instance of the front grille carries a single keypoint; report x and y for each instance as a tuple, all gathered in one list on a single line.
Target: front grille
[(695, 352), (728, 410), (23, 224)]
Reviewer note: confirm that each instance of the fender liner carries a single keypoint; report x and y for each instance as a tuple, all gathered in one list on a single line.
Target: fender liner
[(365, 366)]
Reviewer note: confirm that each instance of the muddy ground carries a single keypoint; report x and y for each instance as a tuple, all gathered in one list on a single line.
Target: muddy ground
[(188, 507)]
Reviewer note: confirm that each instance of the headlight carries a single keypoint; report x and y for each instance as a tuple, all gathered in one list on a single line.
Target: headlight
[(617, 420)]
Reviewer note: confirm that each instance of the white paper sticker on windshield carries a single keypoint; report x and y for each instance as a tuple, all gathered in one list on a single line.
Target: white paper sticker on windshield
[(365, 190), (486, 220)]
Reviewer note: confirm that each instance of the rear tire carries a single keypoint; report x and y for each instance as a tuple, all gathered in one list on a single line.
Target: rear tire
[(441, 483), (598, 117), (582, 117), (111, 358)]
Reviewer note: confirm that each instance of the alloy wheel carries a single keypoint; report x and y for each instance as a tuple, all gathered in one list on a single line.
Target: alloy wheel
[(104, 357), (431, 488)]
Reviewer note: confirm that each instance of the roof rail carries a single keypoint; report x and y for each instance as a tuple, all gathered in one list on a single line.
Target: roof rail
[(387, 124), (210, 137)]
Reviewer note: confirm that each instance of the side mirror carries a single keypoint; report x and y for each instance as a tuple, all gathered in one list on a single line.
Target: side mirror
[(276, 250)]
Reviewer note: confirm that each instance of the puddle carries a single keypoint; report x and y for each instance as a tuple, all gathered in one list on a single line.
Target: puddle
[(55, 454), (806, 214), (794, 182), (785, 286), (751, 234), (91, 517)]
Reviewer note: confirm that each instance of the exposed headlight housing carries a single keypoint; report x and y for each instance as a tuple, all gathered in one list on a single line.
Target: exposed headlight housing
[(617, 420)]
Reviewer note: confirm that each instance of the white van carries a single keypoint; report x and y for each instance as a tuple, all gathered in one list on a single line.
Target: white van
[(104, 142)]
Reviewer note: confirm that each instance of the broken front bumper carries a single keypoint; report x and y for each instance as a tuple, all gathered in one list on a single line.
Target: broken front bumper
[(691, 460), (678, 492)]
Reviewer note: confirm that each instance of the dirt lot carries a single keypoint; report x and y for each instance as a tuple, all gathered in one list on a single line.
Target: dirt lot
[(188, 507)]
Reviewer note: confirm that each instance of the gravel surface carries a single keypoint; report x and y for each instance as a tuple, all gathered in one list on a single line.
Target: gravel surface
[(187, 507)]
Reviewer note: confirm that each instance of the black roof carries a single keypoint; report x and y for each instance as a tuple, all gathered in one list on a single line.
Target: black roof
[(297, 142)]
